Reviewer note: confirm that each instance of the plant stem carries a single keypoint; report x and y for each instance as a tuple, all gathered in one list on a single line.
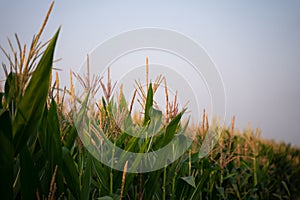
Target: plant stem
[(164, 183)]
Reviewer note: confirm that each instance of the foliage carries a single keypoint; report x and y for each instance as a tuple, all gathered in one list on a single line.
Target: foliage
[(42, 157)]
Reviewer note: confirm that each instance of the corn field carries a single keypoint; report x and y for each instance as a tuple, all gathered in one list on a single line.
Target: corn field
[(42, 156)]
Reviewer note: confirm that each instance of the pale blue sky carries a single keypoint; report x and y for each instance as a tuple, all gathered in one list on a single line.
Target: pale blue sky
[(255, 45)]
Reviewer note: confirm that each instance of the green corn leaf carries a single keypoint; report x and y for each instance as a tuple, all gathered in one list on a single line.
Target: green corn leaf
[(137, 161), (189, 180), (6, 157), (132, 144), (155, 123), (53, 136), (11, 89), (102, 174), (70, 172), (228, 176), (54, 145), (199, 188), (32, 104), (149, 103), (71, 137), (86, 177), (171, 128), (286, 188), (169, 134), (122, 139), (153, 184), (28, 175)]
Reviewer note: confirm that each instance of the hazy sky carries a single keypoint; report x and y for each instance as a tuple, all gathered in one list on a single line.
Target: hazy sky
[(255, 45)]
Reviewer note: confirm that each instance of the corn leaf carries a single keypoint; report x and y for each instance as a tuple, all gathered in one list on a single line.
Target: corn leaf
[(53, 137), (169, 134), (32, 104), (28, 175), (102, 174), (70, 172), (71, 136), (53, 144), (6, 157), (86, 177), (189, 180), (171, 128), (149, 103), (197, 192)]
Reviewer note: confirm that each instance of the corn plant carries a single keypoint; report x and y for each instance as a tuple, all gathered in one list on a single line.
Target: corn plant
[(43, 157)]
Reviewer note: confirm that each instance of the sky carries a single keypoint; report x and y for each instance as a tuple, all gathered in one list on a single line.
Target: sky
[(254, 44)]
